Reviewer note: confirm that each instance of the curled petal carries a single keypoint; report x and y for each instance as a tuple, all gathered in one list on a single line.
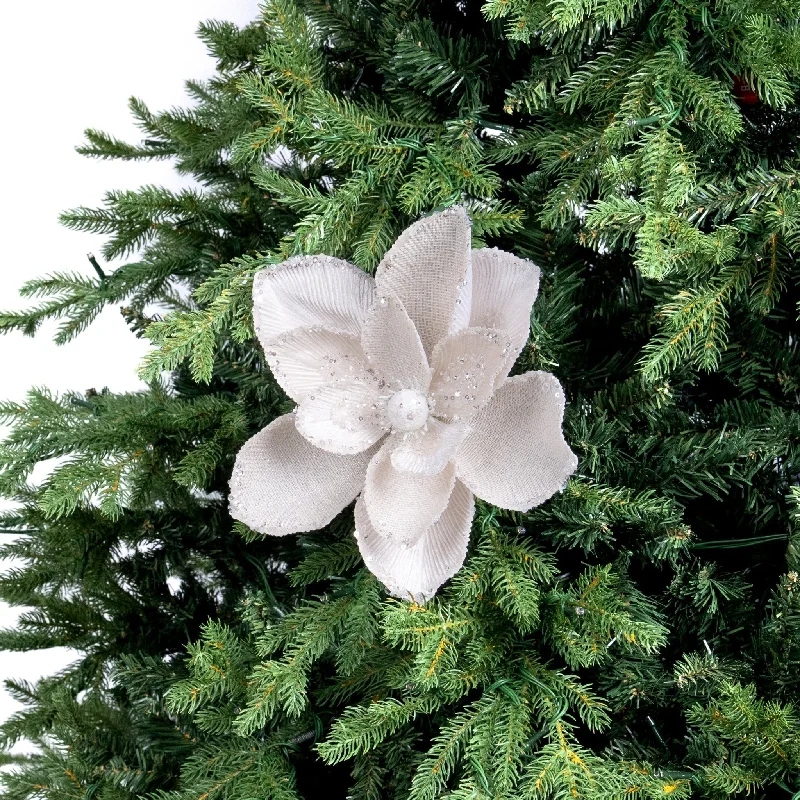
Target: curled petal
[(465, 366), (503, 290), (427, 268), (307, 291), (515, 455), (430, 450), (282, 484), (403, 505), (393, 346), (417, 572), (306, 359), (344, 417)]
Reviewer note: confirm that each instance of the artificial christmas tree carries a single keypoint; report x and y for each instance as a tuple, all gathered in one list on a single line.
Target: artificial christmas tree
[(636, 635)]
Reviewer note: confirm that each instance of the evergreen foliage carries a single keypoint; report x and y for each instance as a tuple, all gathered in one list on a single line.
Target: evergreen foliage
[(636, 636)]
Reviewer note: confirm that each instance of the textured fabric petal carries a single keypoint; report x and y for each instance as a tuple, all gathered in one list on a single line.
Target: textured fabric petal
[(515, 455), (503, 290), (416, 573), (393, 346), (308, 291), (281, 484), (344, 417), (465, 367), (430, 450), (305, 359), (424, 268), (403, 505)]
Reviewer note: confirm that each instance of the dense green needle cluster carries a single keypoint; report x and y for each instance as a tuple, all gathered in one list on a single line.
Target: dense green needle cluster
[(636, 636)]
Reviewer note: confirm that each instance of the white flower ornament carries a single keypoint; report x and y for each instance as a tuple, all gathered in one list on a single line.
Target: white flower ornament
[(404, 401)]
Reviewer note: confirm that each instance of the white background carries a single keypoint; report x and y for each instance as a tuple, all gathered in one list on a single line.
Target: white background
[(66, 67)]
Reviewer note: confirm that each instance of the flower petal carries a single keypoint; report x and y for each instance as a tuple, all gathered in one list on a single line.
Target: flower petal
[(403, 505), (424, 268), (465, 365), (429, 450), (306, 359), (393, 346), (344, 417), (515, 455), (416, 573), (503, 290), (281, 484), (308, 291)]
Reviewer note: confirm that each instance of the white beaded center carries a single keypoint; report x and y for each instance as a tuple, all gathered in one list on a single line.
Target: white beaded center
[(407, 410)]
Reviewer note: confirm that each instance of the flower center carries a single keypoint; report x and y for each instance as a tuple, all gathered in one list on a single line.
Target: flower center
[(407, 410)]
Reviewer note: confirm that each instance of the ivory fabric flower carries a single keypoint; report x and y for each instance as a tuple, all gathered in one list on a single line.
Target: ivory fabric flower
[(403, 401)]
